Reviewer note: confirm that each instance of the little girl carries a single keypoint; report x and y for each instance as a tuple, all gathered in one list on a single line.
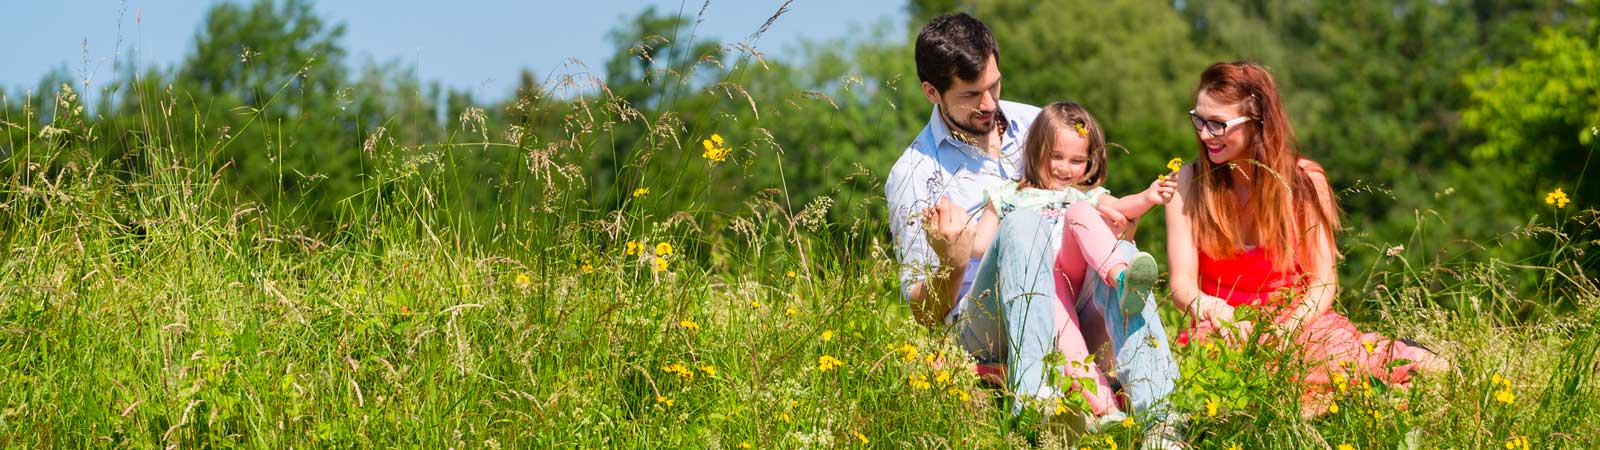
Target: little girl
[(1064, 165)]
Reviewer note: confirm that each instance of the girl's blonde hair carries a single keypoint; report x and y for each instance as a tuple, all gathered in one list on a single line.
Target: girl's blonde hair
[(1063, 117), (1287, 207)]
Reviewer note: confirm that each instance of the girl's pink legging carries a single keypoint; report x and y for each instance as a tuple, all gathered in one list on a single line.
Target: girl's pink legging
[(1086, 243)]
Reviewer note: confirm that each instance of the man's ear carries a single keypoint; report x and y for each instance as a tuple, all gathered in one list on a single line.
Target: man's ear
[(930, 92)]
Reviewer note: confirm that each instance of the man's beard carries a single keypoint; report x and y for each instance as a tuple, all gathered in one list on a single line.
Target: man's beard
[(963, 127)]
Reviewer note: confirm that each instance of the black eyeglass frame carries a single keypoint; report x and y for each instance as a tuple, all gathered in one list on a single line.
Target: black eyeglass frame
[(1214, 127)]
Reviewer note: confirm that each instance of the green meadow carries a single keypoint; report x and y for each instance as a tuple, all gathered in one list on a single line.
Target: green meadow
[(268, 246)]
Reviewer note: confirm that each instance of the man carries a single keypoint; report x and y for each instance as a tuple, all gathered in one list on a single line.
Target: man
[(972, 143)]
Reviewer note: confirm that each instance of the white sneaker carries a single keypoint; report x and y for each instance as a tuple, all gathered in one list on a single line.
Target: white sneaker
[(1106, 422), (1166, 434)]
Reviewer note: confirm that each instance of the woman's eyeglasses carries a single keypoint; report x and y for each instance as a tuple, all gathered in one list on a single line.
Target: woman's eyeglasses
[(1214, 127)]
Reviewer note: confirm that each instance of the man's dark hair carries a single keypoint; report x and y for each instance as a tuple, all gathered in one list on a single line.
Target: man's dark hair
[(953, 45)]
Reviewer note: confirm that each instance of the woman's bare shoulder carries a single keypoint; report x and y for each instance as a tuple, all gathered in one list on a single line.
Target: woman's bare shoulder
[(1314, 171)]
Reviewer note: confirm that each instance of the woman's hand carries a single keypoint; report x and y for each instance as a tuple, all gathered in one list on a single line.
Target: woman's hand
[(1219, 314), (1160, 191)]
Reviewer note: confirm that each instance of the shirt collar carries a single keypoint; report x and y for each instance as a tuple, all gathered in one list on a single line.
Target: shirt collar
[(942, 135)]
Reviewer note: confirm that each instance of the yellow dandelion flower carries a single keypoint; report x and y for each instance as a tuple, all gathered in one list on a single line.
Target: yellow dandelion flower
[(663, 400), (827, 335), (1174, 164), (826, 363), (633, 247), (1211, 408), (1495, 379), (715, 152), (679, 369), (785, 417), (788, 311), (1127, 422), (1505, 396), (1235, 446), (1558, 198), (660, 265), (711, 371), (1061, 407), (789, 274), (523, 281), (755, 304), (861, 437), (640, 192), (1368, 345), (908, 352), (1111, 443), (1211, 347), (663, 249), (1082, 130), (1333, 409), (745, 445), (586, 269), (942, 376), (919, 382), (689, 325), (1346, 447), (960, 393)]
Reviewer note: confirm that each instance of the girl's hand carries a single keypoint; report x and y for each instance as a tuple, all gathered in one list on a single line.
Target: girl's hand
[(1115, 220), (1161, 191)]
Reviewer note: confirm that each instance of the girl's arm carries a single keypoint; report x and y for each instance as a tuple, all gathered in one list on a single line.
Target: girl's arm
[(984, 234), (1133, 206)]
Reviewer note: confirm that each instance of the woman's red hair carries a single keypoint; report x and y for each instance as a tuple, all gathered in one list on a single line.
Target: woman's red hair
[(1288, 206)]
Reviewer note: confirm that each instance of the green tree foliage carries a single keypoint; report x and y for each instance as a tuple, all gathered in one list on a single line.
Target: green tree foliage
[(1539, 116), (1440, 122)]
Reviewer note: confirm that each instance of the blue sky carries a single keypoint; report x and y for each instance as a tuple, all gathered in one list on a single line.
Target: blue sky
[(478, 45)]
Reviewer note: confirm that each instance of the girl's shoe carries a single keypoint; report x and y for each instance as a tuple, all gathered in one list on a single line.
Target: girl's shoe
[(1135, 283)]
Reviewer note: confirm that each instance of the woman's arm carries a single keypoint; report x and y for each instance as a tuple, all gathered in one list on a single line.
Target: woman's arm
[(1183, 263), (1319, 257)]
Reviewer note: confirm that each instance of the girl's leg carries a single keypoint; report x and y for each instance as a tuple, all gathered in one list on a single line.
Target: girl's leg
[(1036, 322), (1133, 275), (1144, 360), (1096, 244), (1070, 275)]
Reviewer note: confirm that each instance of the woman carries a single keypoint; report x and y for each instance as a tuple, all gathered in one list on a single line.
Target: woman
[(1253, 224)]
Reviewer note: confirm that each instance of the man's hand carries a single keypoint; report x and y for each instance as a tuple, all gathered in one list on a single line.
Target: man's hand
[(948, 232)]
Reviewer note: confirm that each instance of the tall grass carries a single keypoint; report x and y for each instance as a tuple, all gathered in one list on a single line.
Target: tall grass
[(146, 304)]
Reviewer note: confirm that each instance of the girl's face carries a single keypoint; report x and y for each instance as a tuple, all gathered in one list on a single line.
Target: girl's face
[(1067, 162), (1234, 142)]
